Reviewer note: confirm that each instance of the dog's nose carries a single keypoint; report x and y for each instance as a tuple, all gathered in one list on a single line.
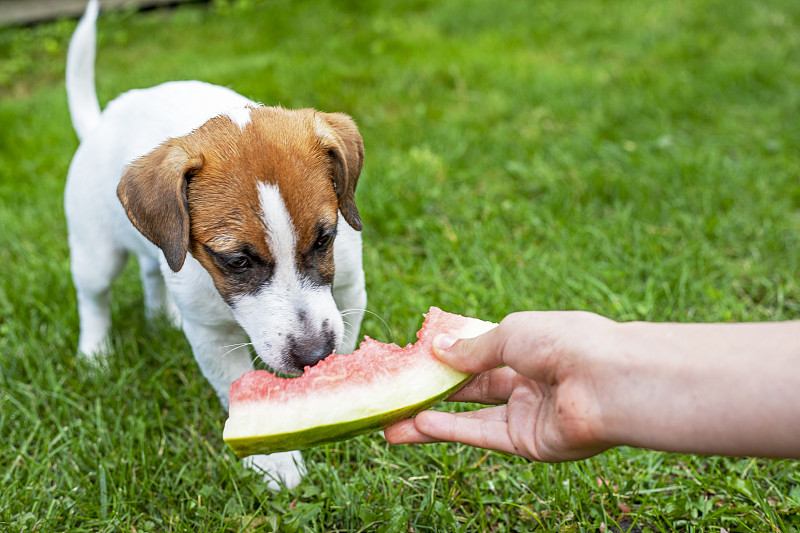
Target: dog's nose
[(311, 349)]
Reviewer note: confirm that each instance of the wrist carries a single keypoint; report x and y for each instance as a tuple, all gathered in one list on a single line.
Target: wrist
[(642, 373)]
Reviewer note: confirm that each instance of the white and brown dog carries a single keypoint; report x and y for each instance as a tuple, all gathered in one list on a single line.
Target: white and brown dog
[(232, 209)]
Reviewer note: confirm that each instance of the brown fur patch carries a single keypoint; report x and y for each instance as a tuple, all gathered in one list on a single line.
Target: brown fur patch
[(213, 191)]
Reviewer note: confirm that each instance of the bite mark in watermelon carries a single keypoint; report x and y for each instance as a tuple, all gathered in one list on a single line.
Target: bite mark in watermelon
[(345, 395)]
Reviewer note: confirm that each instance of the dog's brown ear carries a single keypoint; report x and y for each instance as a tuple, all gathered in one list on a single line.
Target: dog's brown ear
[(153, 193), (346, 150)]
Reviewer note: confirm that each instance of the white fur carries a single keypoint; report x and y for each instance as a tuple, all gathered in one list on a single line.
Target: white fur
[(288, 293), (83, 104), (101, 237), (240, 116), (281, 236)]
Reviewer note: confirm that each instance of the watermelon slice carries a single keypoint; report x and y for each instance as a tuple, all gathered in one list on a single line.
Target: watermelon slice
[(345, 395)]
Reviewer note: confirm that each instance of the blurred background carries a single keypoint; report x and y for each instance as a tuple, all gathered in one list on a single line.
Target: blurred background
[(635, 159)]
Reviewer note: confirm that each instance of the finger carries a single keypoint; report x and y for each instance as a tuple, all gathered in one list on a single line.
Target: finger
[(485, 428), (533, 343), (405, 432), (490, 387), (473, 355)]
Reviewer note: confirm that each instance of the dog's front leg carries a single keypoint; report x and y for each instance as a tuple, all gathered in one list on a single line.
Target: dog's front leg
[(349, 289), (351, 300), (222, 352), (223, 355), (157, 299)]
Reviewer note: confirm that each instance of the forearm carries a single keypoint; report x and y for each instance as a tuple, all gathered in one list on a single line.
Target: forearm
[(730, 389)]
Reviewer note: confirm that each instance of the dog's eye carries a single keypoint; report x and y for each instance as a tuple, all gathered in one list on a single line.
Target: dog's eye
[(240, 262), (324, 242)]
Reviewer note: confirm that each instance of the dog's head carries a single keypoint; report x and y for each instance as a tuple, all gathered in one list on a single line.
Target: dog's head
[(255, 197)]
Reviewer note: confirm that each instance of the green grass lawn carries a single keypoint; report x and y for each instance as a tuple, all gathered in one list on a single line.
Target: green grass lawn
[(636, 159)]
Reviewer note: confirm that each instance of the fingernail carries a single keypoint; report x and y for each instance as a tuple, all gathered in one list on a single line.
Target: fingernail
[(443, 342)]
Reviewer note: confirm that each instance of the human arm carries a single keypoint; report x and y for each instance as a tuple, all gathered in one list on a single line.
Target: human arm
[(577, 383)]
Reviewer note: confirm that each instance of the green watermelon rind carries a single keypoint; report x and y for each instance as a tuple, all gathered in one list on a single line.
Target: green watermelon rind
[(314, 436)]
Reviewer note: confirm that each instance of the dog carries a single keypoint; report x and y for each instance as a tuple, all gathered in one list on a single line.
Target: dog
[(242, 217)]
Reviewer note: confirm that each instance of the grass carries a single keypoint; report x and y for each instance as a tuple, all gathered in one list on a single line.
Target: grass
[(637, 159)]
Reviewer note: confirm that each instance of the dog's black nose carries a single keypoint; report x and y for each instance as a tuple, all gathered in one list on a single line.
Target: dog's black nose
[(311, 349)]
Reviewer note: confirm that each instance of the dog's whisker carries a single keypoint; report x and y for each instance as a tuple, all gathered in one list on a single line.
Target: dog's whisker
[(346, 312), (234, 347), (237, 345)]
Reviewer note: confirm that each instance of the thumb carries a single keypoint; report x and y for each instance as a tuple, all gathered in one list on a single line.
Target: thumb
[(474, 355)]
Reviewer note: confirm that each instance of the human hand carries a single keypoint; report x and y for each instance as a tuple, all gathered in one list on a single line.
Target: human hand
[(548, 406)]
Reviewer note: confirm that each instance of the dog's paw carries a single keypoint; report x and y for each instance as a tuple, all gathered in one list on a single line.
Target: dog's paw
[(280, 470), (94, 349)]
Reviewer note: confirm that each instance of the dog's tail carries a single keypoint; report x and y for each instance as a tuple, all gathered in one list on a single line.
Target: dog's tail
[(81, 93)]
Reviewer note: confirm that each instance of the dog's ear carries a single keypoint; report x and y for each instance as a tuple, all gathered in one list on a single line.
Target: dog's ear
[(153, 193), (345, 146)]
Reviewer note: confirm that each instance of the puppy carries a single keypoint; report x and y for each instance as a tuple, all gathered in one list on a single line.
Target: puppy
[(232, 209)]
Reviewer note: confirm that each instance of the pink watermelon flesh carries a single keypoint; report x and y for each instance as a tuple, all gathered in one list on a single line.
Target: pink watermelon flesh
[(345, 395)]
